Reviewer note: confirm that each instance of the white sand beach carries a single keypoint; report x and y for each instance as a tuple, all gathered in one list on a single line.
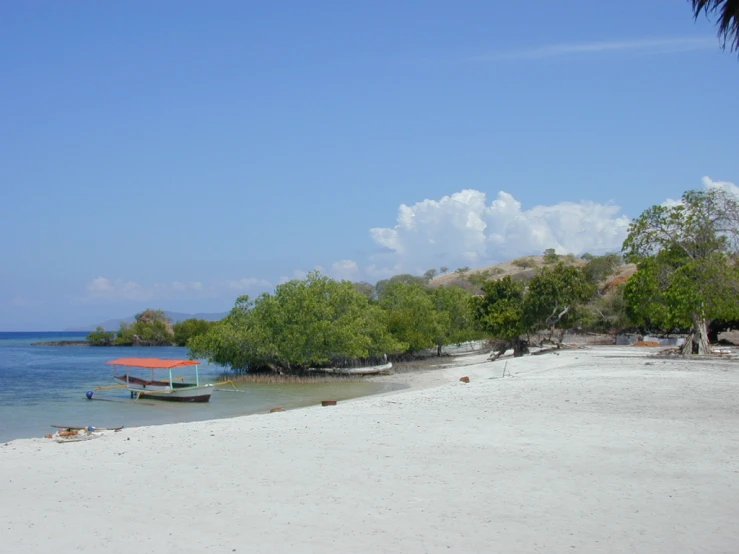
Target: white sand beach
[(597, 450)]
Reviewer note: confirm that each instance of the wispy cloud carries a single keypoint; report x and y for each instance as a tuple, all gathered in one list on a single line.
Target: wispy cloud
[(248, 283), (105, 289), (23, 302), (102, 288), (637, 46)]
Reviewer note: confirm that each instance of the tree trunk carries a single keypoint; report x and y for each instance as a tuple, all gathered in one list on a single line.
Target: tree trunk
[(520, 347), (713, 333), (697, 341), (560, 338)]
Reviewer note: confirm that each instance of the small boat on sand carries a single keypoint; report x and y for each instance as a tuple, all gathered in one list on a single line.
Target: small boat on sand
[(152, 378), (383, 369)]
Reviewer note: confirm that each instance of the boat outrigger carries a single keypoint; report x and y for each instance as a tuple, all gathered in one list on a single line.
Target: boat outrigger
[(165, 387)]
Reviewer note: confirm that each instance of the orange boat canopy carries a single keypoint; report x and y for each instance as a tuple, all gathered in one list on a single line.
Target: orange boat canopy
[(152, 363)]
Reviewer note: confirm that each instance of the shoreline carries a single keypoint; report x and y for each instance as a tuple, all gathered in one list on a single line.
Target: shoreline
[(408, 379), (598, 449), (62, 343)]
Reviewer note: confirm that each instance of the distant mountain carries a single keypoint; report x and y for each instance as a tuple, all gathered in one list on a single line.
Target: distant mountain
[(115, 324)]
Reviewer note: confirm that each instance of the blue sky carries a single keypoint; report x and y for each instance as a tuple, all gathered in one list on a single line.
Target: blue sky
[(177, 154)]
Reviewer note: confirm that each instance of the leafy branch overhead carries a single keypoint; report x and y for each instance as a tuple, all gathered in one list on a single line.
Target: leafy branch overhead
[(726, 13)]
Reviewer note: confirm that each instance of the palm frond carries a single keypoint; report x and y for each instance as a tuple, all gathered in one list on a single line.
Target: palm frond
[(728, 19)]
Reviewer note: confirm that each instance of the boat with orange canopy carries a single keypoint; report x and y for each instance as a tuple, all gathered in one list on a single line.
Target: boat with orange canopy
[(153, 378)]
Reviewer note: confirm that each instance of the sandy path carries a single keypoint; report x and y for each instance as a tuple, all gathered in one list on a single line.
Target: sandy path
[(586, 451)]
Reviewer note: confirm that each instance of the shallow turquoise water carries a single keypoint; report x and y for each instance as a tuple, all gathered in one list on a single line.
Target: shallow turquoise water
[(42, 386)]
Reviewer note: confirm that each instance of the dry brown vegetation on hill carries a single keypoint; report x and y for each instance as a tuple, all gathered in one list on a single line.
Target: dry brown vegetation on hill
[(520, 268), (525, 268), (605, 310), (620, 276)]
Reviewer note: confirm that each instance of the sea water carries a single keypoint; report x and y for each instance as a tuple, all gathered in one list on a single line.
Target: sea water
[(41, 386)]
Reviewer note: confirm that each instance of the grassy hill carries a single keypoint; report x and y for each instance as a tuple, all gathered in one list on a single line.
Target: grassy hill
[(525, 268)]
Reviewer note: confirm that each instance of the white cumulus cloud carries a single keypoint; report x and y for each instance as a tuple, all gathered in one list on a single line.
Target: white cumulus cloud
[(708, 183), (345, 270), (724, 185), (100, 285), (300, 274), (462, 229), (466, 229)]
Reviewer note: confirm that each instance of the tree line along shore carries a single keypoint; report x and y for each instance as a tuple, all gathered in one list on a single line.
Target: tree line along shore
[(678, 273)]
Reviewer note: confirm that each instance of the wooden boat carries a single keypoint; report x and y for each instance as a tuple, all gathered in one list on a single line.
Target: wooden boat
[(161, 384), (383, 369)]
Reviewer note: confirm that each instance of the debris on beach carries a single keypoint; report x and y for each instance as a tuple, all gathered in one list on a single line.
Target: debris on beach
[(328, 402), (545, 351), (646, 343), (77, 434), (669, 353), (715, 354), (277, 409), (464, 379)]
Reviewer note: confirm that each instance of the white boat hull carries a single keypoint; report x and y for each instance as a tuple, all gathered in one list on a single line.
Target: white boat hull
[(160, 390), (370, 370), (194, 394)]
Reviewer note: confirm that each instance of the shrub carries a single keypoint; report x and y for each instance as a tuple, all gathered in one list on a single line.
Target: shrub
[(550, 256)]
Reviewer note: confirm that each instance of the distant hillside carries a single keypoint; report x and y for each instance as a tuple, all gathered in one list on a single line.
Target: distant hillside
[(525, 268), (620, 276), (115, 324), (521, 268)]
